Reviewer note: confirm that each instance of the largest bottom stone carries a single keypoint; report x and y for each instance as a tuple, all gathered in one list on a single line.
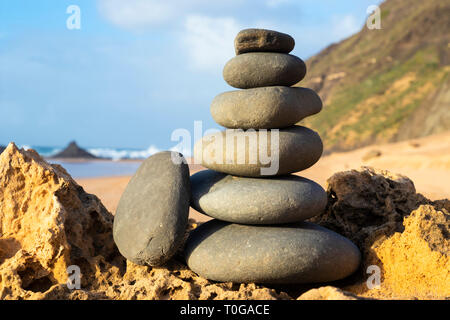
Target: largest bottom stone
[(294, 253)]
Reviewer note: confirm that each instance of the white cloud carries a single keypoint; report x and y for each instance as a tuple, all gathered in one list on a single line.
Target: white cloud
[(209, 41), (141, 14), (136, 14)]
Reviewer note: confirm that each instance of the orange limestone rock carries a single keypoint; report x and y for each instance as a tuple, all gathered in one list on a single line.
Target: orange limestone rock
[(406, 235), (416, 262), (366, 204), (327, 293), (47, 223)]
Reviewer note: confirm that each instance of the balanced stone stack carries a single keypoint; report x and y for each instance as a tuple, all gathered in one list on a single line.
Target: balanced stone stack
[(259, 234)]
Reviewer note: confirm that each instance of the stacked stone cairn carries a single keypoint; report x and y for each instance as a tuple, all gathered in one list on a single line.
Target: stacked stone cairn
[(258, 233)]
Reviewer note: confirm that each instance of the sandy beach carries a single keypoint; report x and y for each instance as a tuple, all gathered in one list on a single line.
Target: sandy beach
[(426, 161)]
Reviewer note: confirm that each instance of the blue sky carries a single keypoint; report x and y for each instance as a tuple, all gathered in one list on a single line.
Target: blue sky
[(137, 69)]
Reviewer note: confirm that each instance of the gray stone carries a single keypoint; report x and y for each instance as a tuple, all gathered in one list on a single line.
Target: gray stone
[(254, 40), (263, 69), (264, 108), (277, 200), (296, 253), (152, 215), (254, 153)]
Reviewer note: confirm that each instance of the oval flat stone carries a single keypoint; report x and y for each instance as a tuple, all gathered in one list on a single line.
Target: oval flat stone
[(295, 253), (259, 153), (263, 69), (152, 215), (277, 200), (254, 40), (264, 108)]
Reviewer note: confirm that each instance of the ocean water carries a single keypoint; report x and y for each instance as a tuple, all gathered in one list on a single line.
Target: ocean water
[(100, 168), (124, 161), (110, 153), (93, 169)]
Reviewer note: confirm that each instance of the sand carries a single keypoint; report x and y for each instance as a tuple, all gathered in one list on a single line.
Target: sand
[(426, 161)]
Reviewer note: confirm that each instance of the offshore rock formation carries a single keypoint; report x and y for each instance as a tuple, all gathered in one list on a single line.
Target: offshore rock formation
[(73, 151)]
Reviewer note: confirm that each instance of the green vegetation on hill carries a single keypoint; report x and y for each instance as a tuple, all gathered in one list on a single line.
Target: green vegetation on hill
[(388, 84)]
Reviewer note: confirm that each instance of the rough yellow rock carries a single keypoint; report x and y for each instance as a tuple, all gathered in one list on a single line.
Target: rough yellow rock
[(327, 293), (415, 263), (366, 204), (47, 223), (396, 229), (176, 281)]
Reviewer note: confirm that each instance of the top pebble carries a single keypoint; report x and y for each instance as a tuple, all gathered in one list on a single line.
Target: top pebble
[(261, 40)]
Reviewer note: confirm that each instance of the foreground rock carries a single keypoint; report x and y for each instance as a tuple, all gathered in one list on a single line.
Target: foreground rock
[(404, 234), (296, 253), (152, 214), (256, 200), (262, 69), (254, 40), (254, 159), (73, 151), (2, 148), (48, 223), (416, 261), (264, 108), (328, 293), (368, 204)]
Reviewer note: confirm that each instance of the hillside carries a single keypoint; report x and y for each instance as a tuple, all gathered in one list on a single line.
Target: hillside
[(385, 85)]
